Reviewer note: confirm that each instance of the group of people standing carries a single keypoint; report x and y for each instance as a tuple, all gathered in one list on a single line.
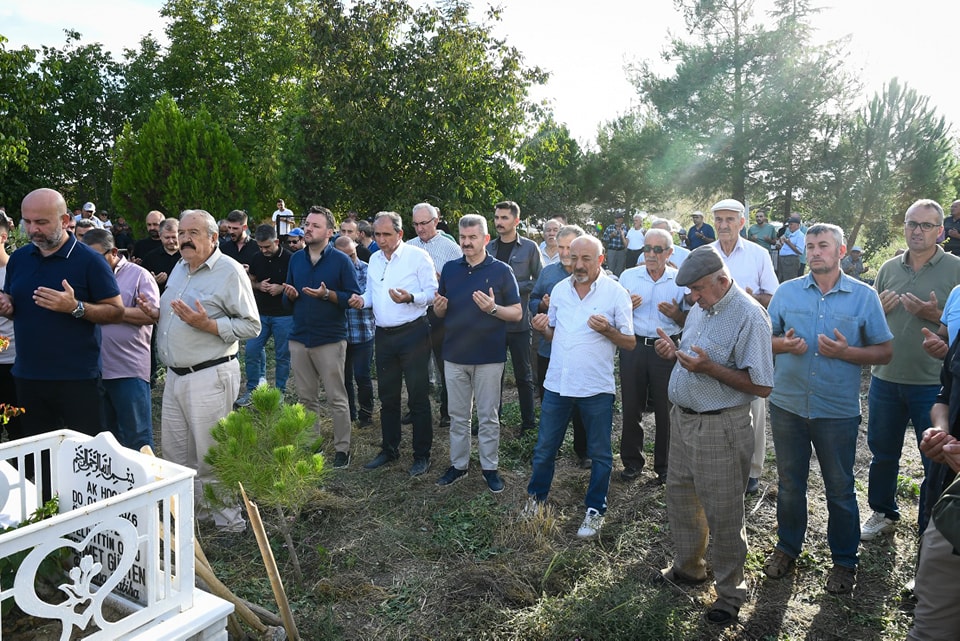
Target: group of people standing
[(706, 336)]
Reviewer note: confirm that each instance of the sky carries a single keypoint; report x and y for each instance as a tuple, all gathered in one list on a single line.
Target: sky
[(586, 44)]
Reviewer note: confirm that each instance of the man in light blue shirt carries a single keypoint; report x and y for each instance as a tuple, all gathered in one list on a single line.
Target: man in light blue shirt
[(826, 327)]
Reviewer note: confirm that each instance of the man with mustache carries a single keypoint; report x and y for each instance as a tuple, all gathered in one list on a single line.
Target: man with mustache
[(57, 287), (476, 297), (588, 319), (205, 311)]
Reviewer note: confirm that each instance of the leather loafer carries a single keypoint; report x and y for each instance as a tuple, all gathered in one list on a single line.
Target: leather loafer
[(381, 459)]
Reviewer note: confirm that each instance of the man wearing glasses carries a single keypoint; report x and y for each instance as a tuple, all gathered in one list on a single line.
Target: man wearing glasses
[(912, 287), (656, 300), (752, 269), (295, 240)]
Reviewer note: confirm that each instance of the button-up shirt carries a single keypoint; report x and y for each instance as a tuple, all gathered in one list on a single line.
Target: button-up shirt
[(582, 360), (360, 323), (223, 288), (735, 333), (410, 269), (812, 385), (317, 321), (750, 266), (441, 249), (125, 347), (647, 318)]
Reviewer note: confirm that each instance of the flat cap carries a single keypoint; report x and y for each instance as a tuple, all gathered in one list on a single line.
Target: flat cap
[(702, 261), (729, 204)]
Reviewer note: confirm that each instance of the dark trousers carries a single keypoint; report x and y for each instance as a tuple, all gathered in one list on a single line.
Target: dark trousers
[(643, 374), (436, 345), (519, 345), (633, 255), (579, 432), (404, 354), (356, 367), (8, 396)]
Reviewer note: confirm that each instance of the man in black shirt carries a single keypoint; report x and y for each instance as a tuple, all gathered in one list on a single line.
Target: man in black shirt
[(160, 261), (238, 245), (146, 245), (268, 272)]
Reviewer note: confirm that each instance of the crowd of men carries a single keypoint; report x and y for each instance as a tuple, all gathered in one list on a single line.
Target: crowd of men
[(708, 332)]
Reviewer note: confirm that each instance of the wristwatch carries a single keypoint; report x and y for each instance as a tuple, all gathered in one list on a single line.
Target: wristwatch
[(493, 312), (79, 311)]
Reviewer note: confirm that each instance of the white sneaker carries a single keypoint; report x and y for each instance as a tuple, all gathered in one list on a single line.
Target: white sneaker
[(591, 525), (878, 523)]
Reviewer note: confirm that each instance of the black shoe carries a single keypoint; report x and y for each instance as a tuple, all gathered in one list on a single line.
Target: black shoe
[(420, 466), (381, 459), (451, 476), (406, 419), (494, 482), (341, 459), (444, 421), (753, 485), (364, 421), (585, 462), (630, 473), (662, 478)]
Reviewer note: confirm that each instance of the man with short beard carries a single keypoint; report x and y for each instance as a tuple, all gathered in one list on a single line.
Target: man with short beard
[(161, 261), (238, 245), (146, 245), (57, 290)]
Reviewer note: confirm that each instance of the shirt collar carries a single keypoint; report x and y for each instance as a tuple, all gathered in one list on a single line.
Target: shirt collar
[(844, 284)]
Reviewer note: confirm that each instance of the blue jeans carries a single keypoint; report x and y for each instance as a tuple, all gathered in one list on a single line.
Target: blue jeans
[(597, 413), (356, 367), (127, 410), (256, 356), (835, 441), (891, 406)]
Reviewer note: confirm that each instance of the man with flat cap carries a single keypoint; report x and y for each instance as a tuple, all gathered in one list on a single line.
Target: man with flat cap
[(723, 362)]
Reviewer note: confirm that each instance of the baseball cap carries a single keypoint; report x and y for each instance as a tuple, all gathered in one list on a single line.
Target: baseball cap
[(296, 231), (89, 207)]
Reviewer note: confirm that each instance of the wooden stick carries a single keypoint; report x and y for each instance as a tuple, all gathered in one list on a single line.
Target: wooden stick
[(272, 571)]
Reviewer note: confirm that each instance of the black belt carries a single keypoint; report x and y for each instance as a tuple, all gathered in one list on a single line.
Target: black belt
[(183, 371), (687, 410), (650, 340), (402, 328)]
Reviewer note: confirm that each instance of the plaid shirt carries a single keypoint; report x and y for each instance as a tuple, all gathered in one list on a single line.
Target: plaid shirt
[(611, 238), (360, 323)]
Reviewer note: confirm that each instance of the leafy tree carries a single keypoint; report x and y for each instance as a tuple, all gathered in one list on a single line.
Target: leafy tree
[(406, 104), (549, 181), (893, 151), (243, 62), (16, 105), (745, 102), (174, 163)]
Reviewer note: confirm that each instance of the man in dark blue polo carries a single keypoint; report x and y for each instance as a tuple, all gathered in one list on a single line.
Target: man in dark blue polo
[(319, 284), (477, 297), (57, 287)]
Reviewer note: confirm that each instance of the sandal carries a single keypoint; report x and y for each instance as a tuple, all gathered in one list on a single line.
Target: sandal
[(778, 564), (841, 580)]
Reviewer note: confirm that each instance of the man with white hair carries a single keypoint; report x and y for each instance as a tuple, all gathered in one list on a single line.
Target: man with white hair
[(679, 251), (752, 270)]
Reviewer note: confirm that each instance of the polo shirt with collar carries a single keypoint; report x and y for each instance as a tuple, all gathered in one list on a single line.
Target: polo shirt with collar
[(809, 384), (410, 269), (126, 347), (55, 345), (581, 364), (472, 336)]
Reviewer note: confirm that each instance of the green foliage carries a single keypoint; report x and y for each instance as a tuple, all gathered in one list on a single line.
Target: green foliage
[(174, 163), (15, 106), (405, 104), (50, 569), (549, 182), (268, 447), (469, 528)]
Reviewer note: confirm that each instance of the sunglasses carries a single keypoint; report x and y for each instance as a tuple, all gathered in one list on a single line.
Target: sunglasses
[(654, 248)]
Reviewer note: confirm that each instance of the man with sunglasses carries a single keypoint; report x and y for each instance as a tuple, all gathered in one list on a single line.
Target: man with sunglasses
[(295, 240), (752, 269), (912, 287), (657, 303)]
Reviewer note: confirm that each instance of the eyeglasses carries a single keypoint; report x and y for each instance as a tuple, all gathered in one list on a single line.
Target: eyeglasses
[(912, 225), (654, 248), (425, 222)]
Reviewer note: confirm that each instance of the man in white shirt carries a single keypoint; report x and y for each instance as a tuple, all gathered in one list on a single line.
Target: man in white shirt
[(752, 270), (401, 284), (635, 240), (588, 319), (283, 219)]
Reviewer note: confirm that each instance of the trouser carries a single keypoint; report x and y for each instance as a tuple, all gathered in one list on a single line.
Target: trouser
[(466, 383), (519, 345), (323, 364), (789, 267), (127, 410), (643, 374), (579, 431), (706, 477), (192, 406), (356, 367), (436, 346), (936, 617), (758, 412), (403, 354), (616, 260)]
